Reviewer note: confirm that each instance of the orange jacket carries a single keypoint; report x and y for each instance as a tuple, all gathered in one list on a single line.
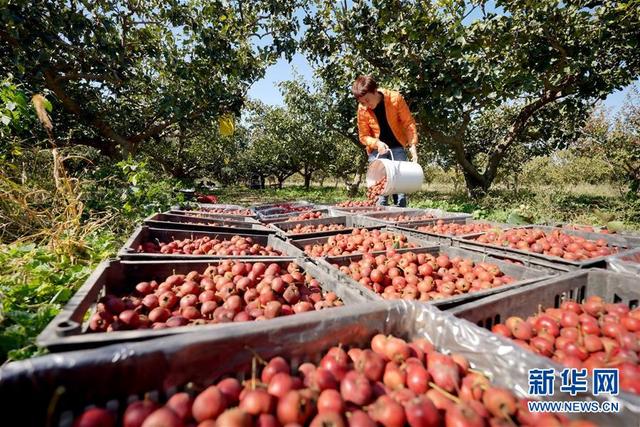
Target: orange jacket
[(399, 117)]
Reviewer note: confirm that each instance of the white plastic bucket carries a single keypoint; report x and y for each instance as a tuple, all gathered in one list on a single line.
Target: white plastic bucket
[(402, 177)]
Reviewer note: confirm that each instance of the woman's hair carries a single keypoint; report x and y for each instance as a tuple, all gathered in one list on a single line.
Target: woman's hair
[(364, 85)]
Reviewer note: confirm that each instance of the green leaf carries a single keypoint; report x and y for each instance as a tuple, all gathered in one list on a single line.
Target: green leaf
[(616, 226), (518, 219), (47, 105)]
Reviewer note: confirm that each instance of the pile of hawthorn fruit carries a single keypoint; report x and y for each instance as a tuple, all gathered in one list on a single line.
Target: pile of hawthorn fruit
[(227, 211), (423, 276), (232, 291), (555, 243), (356, 204), (407, 218), (376, 189), (210, 224), (635, 258), (306, 216), (286, 208), (315, 228), (455, 229), (237, 246), (587, 228), (214, 216), (393, 383), (360, 240), (590, 335)]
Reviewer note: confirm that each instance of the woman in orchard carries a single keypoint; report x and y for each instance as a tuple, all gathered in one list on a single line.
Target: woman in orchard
[(385, 126)]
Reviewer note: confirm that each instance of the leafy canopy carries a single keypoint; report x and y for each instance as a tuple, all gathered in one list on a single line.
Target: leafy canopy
[(455, 60), (124, 72)]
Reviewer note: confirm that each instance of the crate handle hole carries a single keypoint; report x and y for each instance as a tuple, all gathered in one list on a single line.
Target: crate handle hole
[(616, 298), (633, 303), (67, 327), (582, 293)]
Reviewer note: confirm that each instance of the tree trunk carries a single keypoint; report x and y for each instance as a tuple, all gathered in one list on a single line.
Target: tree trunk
[(476, 188), (478, 183), (352, 188), (281, 181), (307, 180), (634, 188)]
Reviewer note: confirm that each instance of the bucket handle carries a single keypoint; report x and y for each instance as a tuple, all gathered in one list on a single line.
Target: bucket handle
[(390, 152)]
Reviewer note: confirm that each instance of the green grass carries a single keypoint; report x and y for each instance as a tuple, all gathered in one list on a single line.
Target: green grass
[(35, 282)]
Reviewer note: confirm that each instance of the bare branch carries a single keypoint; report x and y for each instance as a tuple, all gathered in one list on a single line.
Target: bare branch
[(470, 12), (261, 36), (455, 142), (519, 123)]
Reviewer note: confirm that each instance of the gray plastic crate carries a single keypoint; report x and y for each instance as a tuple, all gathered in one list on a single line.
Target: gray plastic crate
[(339, 210), (146, 234), (277, 208), (300, 243), (513, 258), (600, 230), (223, 209), (627, 262), (350, 222), (161, 367), (617, 239), (211, 223), (68, 330), (623, 244), (270, 219), (523, 275), (576, 286), (448, 239), (196, 205), (391, 217), (567, 225), (263, 206), (202, 214)]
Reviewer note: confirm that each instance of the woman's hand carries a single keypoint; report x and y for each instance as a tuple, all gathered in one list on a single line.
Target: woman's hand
[(381, 147)]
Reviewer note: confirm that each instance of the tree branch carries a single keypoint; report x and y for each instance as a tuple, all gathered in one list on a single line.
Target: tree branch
[(519, 124), (108, 150), (455, 142), (86, 116), (156, 129), (9, 38), (87, 76)]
